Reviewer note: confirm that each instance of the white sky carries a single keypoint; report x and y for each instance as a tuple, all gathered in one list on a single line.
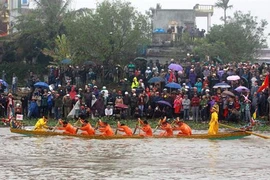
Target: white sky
[(259, 8)]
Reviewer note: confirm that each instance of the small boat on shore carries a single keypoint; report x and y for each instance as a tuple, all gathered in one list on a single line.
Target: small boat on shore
[(219, 136)]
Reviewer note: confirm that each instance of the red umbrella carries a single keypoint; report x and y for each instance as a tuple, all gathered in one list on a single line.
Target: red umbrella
[(122, 106)]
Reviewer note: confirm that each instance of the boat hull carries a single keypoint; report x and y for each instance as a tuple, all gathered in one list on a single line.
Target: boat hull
[(219, 136)]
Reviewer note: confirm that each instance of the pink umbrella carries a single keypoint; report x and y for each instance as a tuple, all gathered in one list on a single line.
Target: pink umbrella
[(241, 89), (175, 67), (233, 78)]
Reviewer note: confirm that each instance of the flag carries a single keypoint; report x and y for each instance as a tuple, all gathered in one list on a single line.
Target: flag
[(265, 83)]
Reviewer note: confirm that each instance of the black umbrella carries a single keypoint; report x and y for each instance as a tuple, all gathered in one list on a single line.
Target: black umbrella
[(89, 63), (140, 59)]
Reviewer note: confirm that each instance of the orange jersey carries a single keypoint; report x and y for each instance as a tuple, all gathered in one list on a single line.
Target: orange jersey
[(125, 129), (168, 130), (88, 130), (184, 129), (69, 129), (106, 131), (148, 130)]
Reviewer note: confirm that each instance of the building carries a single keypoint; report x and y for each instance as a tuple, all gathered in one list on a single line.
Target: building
[(264, 55), (10, 10), (169, 25)]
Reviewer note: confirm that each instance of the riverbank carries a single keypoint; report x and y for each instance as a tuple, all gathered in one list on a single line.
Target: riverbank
[(260, 126)]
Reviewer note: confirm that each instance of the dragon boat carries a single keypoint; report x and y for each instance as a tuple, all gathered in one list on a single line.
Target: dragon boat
[(219, 136)]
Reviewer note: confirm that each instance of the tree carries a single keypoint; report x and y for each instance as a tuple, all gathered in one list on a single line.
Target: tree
[(112, 32), (39, 28), (224, 4), (237, 40), (61, 51)]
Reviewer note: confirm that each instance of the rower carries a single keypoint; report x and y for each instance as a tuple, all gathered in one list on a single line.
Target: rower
[(183, 128), (105, 128), (124, 128), (67, 127), (86, 128), (145, 127), (166, 127), (41, 124)]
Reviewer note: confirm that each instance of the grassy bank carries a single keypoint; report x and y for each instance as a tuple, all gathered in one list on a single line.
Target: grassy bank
[(262, 126)]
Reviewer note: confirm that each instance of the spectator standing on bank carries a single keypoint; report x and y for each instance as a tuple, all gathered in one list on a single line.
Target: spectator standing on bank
[(14, 83)]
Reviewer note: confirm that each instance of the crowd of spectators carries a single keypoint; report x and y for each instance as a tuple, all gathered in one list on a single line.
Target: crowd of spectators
[(75, 91)]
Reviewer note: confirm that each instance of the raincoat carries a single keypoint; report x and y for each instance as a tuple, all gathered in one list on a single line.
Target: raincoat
[(135, 83), (213, 124), (41, 125)]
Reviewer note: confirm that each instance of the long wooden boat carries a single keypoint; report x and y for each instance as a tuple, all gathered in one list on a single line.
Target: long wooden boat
[(219, 136)]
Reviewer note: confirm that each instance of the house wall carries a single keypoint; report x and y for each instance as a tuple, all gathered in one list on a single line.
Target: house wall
[(163, 17)]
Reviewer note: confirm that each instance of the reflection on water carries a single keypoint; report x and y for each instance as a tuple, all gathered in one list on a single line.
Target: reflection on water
[(24, 157)]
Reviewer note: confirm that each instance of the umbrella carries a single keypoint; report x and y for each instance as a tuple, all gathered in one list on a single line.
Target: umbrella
[(89, 63), (155, 80), (66, 61), (164, 103), (221, 85), (173, 85), (3, 82), (228, 93), (122, 106), (233, 78), (175, 67), (217, 59), (41, 85), (242, 89), (140, 59)]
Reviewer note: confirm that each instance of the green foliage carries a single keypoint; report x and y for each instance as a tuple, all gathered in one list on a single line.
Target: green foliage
[(61, 51), (238, 40), (39, 28), (224, 4), (21, 70), (113, 31)]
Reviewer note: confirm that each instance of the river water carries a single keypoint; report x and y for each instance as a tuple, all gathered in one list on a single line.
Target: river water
[(70, 158)]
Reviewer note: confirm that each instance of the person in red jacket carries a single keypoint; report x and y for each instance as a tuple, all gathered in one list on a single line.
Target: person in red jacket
[(195, 104), (67, 127), (145, 127), (105, 129), (124, 128)]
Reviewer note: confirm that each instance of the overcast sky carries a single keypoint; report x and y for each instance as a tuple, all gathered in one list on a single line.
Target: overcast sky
[(259, 8)]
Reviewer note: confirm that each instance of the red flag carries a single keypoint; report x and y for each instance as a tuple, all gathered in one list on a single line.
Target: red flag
[(265, 83)]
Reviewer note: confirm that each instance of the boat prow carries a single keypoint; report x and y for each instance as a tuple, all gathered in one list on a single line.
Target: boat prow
[(219, 136)]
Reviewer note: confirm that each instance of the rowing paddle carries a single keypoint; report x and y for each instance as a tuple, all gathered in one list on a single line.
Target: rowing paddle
[(249, 132), (55, 126), (135, 129)]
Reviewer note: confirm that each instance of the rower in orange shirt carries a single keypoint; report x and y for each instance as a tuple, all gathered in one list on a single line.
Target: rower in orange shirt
[(86, 126), (183, 128), (67, 127), (146, 128), (87, 129), (105, 129), (168, 131), (124, 128)]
